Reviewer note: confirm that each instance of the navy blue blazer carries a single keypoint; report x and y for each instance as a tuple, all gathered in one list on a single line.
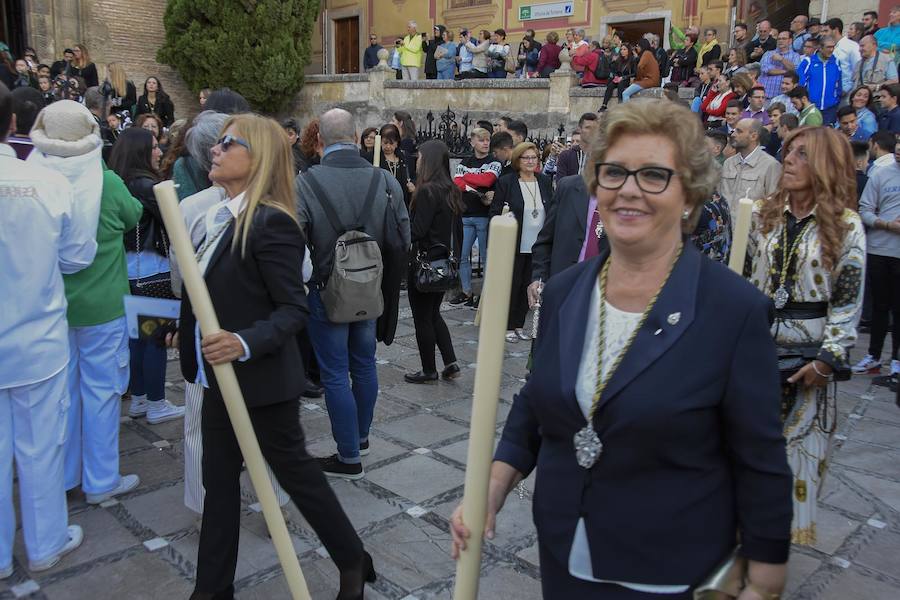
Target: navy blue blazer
[(690, 422)]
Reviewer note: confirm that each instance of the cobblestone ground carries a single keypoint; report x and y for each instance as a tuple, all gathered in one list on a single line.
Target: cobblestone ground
[(144, 546)]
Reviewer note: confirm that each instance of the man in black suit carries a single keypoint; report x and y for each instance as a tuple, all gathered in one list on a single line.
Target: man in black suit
[(572, 160), (561, 242)]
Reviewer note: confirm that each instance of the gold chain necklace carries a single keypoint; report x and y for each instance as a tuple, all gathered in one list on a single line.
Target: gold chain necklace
[(588, 446), (781, 295)]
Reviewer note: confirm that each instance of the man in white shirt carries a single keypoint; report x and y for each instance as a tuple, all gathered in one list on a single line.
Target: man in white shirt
[(846, 52), (881, 149), (37, 204), (751, 172)]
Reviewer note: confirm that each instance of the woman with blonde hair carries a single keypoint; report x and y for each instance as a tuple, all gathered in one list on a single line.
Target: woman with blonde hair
[(251, 259), (651, 415), (807, 252), (737, 60), (81, 66), (124, 92)]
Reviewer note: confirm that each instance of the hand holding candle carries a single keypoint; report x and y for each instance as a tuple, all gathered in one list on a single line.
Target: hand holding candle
[(491, 345)]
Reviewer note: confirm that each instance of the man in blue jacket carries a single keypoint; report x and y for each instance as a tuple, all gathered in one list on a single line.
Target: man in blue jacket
[(821, 75)]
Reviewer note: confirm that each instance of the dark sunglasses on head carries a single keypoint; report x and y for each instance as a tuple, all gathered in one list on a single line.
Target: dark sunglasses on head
[(227, 140)]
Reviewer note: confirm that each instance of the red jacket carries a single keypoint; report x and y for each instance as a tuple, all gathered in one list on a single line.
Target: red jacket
[(548, 58), (715, 112), (588, 62)]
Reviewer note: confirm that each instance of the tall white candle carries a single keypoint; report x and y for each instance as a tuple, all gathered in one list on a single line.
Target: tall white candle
[(741, 235), (231, 392), (377, 158), (491, 344)]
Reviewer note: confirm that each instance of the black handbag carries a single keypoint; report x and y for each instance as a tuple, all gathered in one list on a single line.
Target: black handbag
[(152, 286), (793, 358), (436, 275)]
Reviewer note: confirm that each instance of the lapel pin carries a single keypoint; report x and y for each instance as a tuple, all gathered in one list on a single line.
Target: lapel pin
[(674, 318), (657, 332)]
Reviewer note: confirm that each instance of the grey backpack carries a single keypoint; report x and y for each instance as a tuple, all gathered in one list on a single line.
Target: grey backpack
[(352, 292)]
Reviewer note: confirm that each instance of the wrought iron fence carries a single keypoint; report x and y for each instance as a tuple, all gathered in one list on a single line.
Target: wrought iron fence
[(456, 133)]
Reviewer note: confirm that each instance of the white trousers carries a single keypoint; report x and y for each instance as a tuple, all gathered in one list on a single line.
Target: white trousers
[(410, 73), (33, 429), (193, 454), (98, 376)]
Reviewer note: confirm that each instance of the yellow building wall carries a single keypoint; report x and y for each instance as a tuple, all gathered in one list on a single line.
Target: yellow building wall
[(388, 18)]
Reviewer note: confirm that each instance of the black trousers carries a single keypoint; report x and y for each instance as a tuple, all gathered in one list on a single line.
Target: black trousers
[(558, 584), (282, 442), (884, 278), (431, 329), (309, 357), (518, 299), (611, 87)]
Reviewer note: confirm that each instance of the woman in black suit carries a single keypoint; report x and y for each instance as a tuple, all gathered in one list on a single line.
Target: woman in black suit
[(526, 193), (652, 416), (251, 259), (156, 101), (436, 230)]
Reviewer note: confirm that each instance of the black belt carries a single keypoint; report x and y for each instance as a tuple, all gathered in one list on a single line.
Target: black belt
[(802, 310)]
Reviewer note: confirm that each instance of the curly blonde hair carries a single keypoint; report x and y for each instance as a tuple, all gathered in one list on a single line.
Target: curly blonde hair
[(830, 160), (695, 165)]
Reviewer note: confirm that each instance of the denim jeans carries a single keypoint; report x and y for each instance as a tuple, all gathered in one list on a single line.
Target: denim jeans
[(632, 89), (148, 369), (346, 353), (497, 73), (473, 227)]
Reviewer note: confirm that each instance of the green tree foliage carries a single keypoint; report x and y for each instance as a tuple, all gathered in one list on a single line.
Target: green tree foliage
[(255, 47)]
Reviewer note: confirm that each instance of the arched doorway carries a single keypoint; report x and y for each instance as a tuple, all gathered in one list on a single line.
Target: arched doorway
[(12, 25)]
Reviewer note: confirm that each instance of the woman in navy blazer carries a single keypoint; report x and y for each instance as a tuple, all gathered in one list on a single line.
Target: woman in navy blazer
[(526, 193), (646, 482)]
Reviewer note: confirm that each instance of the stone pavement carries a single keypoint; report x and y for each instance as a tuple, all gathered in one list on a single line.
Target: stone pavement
[(144, 546)]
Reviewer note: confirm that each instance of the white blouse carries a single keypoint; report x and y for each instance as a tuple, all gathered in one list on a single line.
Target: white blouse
[(618, 327), (532, 215)]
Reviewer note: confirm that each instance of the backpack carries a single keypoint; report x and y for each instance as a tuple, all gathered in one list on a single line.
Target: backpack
[(352, 291), (602, 71)]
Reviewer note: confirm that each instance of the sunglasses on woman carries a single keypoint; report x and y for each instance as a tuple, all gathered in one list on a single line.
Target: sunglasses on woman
[(226, 142)]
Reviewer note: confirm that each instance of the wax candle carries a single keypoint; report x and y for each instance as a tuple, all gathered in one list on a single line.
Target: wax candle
[(741, 235), (231, 392), (491, 345), (377, 158)]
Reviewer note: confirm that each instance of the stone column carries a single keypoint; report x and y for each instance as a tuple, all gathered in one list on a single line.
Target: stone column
[(560, 84), (377, 77)]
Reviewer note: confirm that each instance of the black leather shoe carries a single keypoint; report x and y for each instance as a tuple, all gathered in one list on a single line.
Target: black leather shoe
[(420, 377), (451, 371), (312, 390)]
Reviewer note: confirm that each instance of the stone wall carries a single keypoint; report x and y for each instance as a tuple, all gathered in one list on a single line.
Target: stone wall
[(544, 104), (125, 31), (846, 10)]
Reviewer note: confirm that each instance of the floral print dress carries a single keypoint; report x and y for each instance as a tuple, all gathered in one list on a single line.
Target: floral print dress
[(810, 412)]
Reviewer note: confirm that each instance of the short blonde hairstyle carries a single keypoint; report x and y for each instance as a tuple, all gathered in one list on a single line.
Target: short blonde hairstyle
[(481, 133), (694, 163), (519, 150)]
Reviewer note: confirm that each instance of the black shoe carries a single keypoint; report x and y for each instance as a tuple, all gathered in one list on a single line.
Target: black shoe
[(451, 371), (602, 108), (460, 298), (334, 467), (368, 575), (473, 301), (364, 448), (420, 377), (312, 390)]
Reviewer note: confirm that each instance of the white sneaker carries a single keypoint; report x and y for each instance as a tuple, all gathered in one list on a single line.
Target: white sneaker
[(6, 573), (76, 536), (126, 484), (868, 366), (138, 406), (160, 411), (511, 337), (522, 334)]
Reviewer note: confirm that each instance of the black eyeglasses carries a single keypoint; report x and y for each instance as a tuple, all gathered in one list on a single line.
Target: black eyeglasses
[(652, 180), (227, 140)]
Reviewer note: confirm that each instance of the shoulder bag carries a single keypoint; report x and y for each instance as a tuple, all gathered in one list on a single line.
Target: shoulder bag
[(437, 275), (152, 286)]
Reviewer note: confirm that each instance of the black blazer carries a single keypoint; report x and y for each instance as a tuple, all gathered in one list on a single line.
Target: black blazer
[(567, 162), (559, 243), (164, 108), (690, 422), (509, 192), (260, 297)]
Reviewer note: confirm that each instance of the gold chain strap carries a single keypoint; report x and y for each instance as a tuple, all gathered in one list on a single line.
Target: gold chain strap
[(601, 382), (788, 256)]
